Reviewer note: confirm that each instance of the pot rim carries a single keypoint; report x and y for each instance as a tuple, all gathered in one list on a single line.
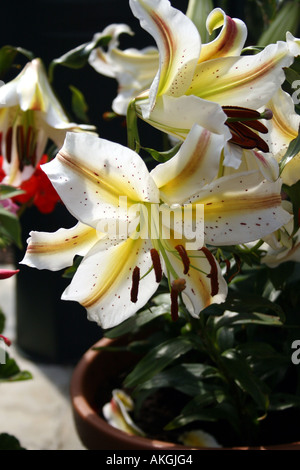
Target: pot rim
[(83, 408)]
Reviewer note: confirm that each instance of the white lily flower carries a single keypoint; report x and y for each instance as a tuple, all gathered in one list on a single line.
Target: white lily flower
[(199, 438), (200, 84), (30, 114), (118, 275), (133, 69), (281, 246), (283, 128), (117, 413)]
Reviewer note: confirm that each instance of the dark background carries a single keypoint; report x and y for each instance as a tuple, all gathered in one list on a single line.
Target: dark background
[(49, 28)]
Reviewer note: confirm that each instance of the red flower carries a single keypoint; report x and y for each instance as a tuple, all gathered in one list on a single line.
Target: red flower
[(39, 190)]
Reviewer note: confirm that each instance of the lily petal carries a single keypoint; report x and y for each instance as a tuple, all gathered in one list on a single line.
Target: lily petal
[(55, 251), (133, 69), (96, 172), (230, 40), (195, 165), (178, 42), (247, 81), (241, 208), (283, 128), (176, 116), (99, 59), (252, 160), (103, 281)]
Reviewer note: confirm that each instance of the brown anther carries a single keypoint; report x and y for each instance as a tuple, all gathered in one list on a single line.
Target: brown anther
[(156, 264), (178, 285), (241, 121), (20, 146), (184, 258), (213, 275), (8, 140), (135, 284), (246, 138)]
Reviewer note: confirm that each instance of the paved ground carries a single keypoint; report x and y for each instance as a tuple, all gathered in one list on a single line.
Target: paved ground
[(36, 411)]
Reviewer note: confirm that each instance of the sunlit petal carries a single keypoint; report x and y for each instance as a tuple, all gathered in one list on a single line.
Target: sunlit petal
[(176, 116), (103, 281), (195, 165), (55, 251), (230, 40), (90, 175), (248, 81), (178, 42), (240, 208), (283, 128)]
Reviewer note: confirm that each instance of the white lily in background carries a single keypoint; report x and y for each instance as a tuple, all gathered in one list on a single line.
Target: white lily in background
[(201, 84), (283, 128), (199, 438), (118, 276), (30, 114), (282, 245), (133, 69), (117, 413)]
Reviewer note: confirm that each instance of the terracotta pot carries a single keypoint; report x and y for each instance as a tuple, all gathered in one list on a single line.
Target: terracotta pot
[(88, 389)]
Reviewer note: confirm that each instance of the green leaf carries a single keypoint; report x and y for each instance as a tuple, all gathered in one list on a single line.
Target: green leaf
[(7, 191), (292, 150), (78, 57), (163, 157), (294, 194), (235, 318), (9, 442), (7, 56), (283, 401), (79, 105), (253, 304), (69, 272), (137, 321), (133, 139), (187, 378), (10, 372), (10, 226), (198, 11), (207, 406), (239, 369), (157, 359), (286, 19)]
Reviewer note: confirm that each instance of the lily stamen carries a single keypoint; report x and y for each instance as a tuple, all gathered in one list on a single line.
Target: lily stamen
[(213, 275), (156, 264), (135, 284), (241, 121), (184, 257), (178, 285)]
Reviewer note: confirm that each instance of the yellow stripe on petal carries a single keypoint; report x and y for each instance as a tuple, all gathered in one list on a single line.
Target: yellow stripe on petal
[(248, 81), (229, 42), (178, 42), (194, 165), (56, 250), (241, 208)]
